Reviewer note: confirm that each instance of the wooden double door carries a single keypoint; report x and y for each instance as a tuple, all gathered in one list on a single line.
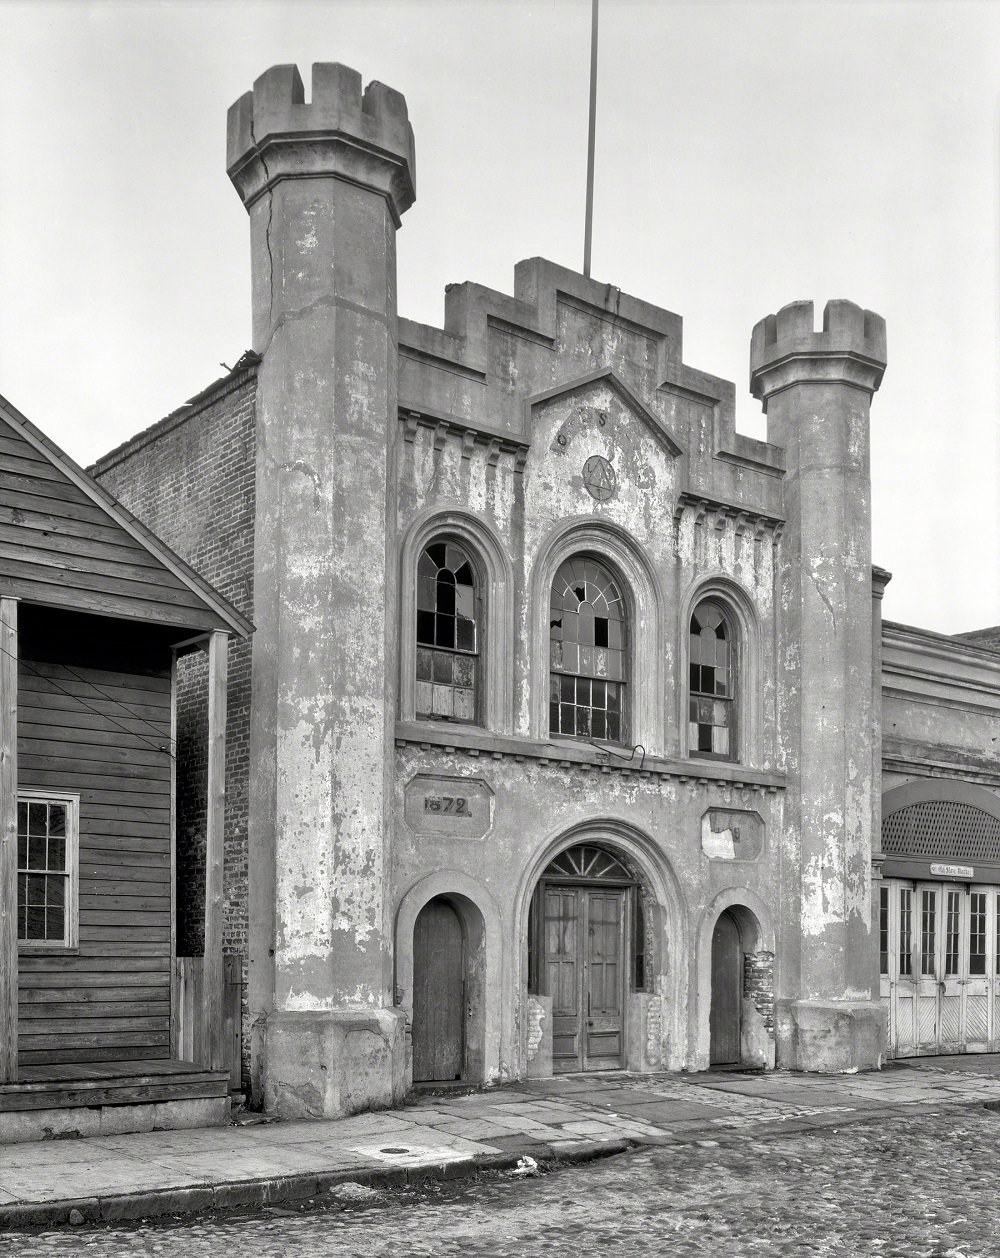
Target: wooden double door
[(939, 946), (584, 971)]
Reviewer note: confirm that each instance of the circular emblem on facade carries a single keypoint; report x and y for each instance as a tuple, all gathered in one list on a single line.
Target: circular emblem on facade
[(599, 478)]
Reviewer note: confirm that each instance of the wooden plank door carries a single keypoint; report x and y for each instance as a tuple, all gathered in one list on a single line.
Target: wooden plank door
[(605, 954), (438, 994), (727, 993), (563, 972)]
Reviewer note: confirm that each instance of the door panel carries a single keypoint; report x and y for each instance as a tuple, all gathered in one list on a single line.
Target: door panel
[(940, 969), (906, 985), (605, 939), (584, 970), (438, 994), (727, 993), (562, 969), (977, 984), (953, 968), (927, 967)]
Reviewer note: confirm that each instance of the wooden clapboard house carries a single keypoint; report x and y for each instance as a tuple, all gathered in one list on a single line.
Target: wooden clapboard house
[(94, 611)]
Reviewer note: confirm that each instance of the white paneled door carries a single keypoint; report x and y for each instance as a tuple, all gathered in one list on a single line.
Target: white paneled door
[(939, 958)]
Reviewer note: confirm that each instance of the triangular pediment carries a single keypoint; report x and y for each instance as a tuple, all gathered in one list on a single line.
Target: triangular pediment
[(607, 377), (66, 542)]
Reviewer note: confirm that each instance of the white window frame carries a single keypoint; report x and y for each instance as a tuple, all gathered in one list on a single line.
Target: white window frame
[(71, 926)]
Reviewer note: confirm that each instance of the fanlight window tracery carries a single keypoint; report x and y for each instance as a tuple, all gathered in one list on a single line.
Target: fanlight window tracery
[(447, 634), (588, 862), (587, 651)]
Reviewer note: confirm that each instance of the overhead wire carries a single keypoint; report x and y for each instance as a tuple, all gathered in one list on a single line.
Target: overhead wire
[(167, 745)]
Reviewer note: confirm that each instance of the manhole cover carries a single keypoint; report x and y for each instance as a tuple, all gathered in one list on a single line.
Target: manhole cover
[(394, 1149)]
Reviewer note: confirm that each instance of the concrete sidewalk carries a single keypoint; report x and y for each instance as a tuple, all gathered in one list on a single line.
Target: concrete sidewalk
[(448, 1134)]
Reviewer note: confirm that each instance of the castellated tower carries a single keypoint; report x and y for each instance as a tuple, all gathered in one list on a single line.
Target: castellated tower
[(325, 184), (816, 388)]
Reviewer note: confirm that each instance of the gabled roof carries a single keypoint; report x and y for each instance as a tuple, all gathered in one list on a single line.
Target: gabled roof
[(66, 542), (606, 376)]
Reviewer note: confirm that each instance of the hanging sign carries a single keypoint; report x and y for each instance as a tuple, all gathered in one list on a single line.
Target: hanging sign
[(953, 871)]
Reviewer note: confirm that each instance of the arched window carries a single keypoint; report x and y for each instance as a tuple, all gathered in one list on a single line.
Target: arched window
[(448, 616), (587, 652), (712, 697)]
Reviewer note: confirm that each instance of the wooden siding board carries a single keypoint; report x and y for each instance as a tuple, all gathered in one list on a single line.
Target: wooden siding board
[(99, 752), (113, 1056), (8, 841), (41, 568), (96, 549), (107, 604), (104, 734), (44, 490)]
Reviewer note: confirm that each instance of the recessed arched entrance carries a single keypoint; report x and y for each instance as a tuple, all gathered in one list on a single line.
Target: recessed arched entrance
[(586, 948), (725, 1013), (439, 972), (735, 983)]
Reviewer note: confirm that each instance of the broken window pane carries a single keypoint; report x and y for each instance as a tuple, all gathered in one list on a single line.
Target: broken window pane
[(447, 633), (587, 650), (712, 684)]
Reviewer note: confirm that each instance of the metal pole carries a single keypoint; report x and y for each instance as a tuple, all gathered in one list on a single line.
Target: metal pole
[(588, 231)]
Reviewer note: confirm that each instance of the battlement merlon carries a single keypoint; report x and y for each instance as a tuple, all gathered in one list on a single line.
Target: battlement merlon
[(364, 137), (785, 350)]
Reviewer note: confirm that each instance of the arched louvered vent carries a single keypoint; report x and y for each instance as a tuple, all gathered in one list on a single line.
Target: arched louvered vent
[(942, 828), (585, 861)]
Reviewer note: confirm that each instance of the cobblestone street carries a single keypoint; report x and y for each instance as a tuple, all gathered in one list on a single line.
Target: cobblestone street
[(913, 1186)]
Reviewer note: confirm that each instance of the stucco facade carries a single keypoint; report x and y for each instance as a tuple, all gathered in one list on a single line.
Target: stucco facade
[(392, 810)]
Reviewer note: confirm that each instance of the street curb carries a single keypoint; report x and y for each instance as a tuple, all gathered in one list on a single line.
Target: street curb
[(250, 1193)]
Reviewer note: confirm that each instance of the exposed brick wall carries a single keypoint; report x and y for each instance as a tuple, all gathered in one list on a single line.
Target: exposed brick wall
[(190, 478), (758, 984)]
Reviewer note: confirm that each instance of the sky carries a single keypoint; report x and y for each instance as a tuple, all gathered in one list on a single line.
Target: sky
[(748, 155)]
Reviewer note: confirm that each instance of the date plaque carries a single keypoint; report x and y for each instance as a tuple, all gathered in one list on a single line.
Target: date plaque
[(458, 807)]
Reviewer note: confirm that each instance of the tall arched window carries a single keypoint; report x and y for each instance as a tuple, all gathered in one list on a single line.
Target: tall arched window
[(447, 634), (587, 651), (712, 697)]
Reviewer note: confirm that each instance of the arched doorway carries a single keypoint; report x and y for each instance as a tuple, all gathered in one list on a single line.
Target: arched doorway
[(586, 947), (725, 1011), (438, 994)]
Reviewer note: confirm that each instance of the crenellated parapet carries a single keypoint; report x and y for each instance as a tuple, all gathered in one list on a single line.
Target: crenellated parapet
[(361, 136), (498, 353), (786, 350)]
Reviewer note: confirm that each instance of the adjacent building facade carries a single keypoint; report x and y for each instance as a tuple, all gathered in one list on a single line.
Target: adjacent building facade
[(559, 745), (96, 618)]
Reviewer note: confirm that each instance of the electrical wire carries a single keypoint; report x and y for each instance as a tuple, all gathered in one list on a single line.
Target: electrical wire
[(163, 746)]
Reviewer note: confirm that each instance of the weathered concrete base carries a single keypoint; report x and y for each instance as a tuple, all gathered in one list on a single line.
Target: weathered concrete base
[(21, 1126), (832, 1036), (329, 1064), (756, 1040)]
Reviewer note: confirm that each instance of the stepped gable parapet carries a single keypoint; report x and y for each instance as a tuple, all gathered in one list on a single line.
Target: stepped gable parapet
[(365, 137), (786, 350), (447, 372)]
